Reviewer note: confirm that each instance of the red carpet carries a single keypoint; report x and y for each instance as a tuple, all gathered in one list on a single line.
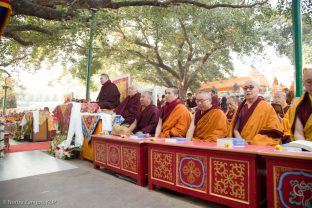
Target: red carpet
[(29, 147)]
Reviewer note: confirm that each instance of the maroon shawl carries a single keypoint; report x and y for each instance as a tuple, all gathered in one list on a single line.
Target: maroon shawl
[(304, 110), (147, 120), (168, 108), (129, 108), (109, 96), (199, 114), (243, 113)]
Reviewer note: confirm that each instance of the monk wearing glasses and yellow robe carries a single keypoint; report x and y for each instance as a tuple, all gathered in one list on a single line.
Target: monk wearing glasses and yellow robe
[(300, 113), (255, 120), (209, 122)]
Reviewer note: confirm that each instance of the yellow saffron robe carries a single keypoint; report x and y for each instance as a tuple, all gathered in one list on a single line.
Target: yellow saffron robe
[(263, 118), (177, 123), (290, 118), (211, 126)]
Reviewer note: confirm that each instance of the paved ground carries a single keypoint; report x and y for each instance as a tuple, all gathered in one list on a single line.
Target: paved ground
[(35, 179)]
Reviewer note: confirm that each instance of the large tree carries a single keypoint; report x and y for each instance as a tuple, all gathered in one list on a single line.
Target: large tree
[(179, 46)]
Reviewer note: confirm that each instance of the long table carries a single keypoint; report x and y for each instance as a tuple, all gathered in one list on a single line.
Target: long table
[(125, 156), (250, 176), (227, 176), (289, 179)]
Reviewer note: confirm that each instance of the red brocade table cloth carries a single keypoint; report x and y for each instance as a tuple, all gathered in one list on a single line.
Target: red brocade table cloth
[(89, 123), (289, 178), (224, 175), (124, 156), (63, 113)]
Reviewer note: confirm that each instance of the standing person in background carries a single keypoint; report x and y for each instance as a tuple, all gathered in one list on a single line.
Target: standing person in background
[(190, 101), (214, 98), (223, 104), (109, 96), (129, 108)]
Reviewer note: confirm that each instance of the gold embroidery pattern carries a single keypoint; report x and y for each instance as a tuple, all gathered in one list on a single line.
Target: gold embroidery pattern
[(114, 154), (129, 159), (191, 171), (100, 152), (162, 165), (229, 179)]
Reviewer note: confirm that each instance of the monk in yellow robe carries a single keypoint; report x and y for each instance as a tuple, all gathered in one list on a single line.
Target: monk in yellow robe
[(300, 113), (174, 118), (280, 98), (209, 122), (255, 120)]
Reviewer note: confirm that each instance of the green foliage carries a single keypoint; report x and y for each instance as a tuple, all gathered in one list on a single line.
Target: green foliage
[(183, 46)]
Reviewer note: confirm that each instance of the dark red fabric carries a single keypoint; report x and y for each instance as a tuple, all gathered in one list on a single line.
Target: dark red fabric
[(199, 114), (168, 108), (272, 133), (215, 100), (286, 109), (190, 103), (129, 108), (230, 115), (243, 113), (147, 120), (304, 109), (109, 96)]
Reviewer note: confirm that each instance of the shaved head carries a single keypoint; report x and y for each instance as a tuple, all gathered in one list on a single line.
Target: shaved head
[(307, 80), (205, 94)]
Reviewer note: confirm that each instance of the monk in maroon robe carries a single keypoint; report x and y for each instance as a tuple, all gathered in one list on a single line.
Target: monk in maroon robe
[(129, 108), (147, 118), (109, 95)]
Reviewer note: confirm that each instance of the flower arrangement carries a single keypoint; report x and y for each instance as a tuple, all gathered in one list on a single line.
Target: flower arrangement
[(58, 151)]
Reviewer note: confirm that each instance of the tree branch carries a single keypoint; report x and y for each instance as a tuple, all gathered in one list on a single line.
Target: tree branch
[(46, 8), (12, 61), (20, 28), (30, 8), (18, 39)]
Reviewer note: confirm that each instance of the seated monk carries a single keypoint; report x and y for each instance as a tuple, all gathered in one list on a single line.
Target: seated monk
[(280, 98), (129, 108), (174, 117), (255, 120), (147, 118), (231, 107), (109, 95), (209, 122), (300, 113)]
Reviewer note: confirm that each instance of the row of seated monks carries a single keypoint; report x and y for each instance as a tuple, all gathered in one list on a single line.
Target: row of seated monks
[(254, 120)]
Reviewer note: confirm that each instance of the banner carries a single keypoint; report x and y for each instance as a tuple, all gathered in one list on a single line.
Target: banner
[(123, 84), (5, 12)]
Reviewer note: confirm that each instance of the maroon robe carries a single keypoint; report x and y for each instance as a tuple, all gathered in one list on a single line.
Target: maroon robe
[(109, 96), (230, 115), (190, 103), (147, 120), (304, 110), (286, 109), (215, 100), (168, 108), (199, 114), (129, 108)]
